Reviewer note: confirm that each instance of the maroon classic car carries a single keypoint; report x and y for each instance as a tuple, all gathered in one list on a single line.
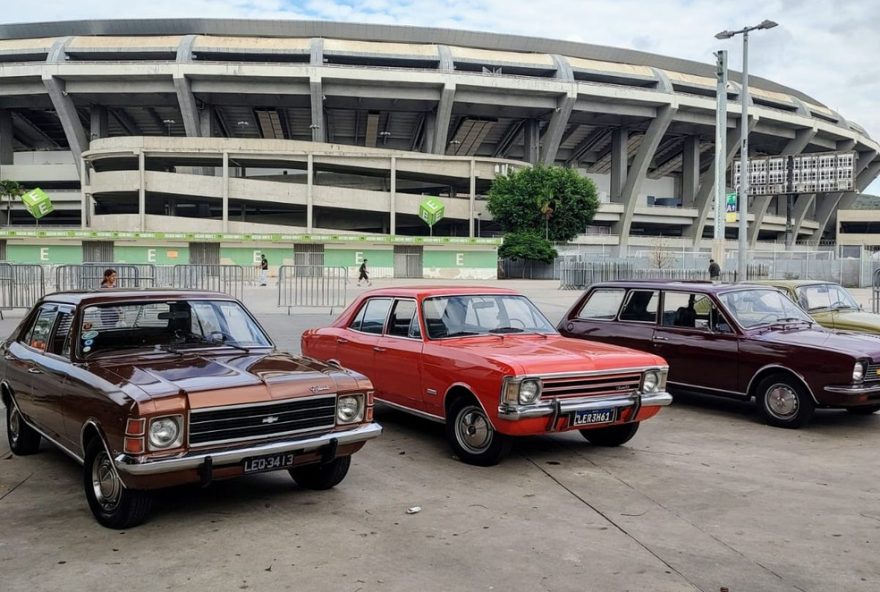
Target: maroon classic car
[(149, 389), (487, 363), (741, 341)]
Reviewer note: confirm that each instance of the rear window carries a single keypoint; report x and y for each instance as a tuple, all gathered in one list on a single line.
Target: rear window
[(602, 304)]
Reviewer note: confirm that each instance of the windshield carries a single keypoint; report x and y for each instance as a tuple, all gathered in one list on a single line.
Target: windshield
[(825, 296), (753, 308), (455, 316), (171, 325)]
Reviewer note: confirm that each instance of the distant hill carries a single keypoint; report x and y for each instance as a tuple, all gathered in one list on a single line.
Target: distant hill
[(867, 202)]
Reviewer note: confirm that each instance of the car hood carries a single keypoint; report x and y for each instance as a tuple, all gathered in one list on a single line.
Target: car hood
[(857, 320), (535, 354), (855, 344), (212, 380)]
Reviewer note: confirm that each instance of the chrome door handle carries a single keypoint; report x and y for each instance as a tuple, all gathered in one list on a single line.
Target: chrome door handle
[(35, 371), (341, 340), (378, 349), (661, 338)]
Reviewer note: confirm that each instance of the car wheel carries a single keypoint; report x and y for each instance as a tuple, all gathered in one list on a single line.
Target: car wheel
[(866, 410), (611, 436), (321, 476), (784, 402), (23, 439), (472, 437), (113, 505)]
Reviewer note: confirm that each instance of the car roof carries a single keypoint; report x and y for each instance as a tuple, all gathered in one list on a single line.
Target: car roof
[(700, 286), (104, 295), (427, 291), (793, 283)]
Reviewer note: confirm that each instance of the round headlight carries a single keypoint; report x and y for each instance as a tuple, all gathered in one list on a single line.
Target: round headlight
[(651, 382), (164, 432), (348, 409), (528, 392), (858, 372)]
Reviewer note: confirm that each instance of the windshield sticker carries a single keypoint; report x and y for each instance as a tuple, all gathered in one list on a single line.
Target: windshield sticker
[(87, 326), (87, 349), (89, 342), (89, 335)]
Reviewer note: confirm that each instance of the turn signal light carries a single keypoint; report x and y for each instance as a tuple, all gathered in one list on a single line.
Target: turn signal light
[(136, 427), (134, 445)]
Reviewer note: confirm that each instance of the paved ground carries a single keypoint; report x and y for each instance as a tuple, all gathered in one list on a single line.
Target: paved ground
[(705, 496)]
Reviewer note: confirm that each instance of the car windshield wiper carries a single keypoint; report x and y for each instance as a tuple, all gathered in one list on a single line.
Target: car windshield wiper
[(784, 320), (461, 334), (506, 330)]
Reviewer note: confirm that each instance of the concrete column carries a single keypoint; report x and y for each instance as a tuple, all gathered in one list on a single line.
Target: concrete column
[(316, 90), (85, 194), (310, 179), (531, 141), (472, 198), (690, 175), (142, 192), (225, 191), (562, 113), (393, 204), (63, 104), (430, 128), (443, 117), (802, 205), (98, 127), (188, 109), (6, 136), (206, 122), (619, 162)]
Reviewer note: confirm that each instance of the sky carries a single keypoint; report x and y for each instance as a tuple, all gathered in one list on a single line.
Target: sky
[(828, 49)]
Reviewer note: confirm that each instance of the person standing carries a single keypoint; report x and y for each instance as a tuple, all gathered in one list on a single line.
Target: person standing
[(714, 271), (264, 270), (363, 275), (109, 280)]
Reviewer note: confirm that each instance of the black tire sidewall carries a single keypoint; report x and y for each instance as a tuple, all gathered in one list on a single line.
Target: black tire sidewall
[(28, 438), (319, 477), (133, 505), (806, 406), (497, 448), (612, 435)]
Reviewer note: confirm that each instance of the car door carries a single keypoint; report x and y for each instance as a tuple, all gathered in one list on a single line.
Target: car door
[(698, 342), (51, 385), (398, 358), (356, 347)]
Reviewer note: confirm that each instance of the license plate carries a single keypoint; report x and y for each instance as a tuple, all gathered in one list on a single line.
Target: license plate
[(594, 416), (270, 462)]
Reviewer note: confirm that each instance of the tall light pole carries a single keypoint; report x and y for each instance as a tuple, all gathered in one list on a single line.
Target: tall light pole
[(744, 146)]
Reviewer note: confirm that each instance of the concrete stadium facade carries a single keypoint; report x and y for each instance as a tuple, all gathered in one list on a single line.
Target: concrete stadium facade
[(316, 127)]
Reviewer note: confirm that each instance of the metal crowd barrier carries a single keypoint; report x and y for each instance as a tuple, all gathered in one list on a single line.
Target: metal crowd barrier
[(20, 286), (228, 279), (88, 276), (579, 275), (312, 286), (875, 292)]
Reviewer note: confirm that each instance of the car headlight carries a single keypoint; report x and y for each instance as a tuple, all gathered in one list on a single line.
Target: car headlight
[(858, 372), (529, 391), (165, 432), (651, 381), (349, 408)]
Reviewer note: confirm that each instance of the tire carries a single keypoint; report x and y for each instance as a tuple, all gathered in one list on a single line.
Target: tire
[(866, 410), (23, 439), (784, 402), (321, 477), (611, 436), (472, 437), (113, 505)]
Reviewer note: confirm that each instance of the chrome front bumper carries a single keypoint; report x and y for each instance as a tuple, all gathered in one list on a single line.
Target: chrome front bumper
[(129, 465), (564, 406), (862, 389)]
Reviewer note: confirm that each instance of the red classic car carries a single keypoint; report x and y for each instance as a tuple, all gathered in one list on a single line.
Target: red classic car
[(154, 388), (487, 363), (741, 341)]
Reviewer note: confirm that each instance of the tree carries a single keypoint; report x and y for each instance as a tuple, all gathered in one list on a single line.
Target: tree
[(527, 245), (556, 200), (660, 257), (9, 190)]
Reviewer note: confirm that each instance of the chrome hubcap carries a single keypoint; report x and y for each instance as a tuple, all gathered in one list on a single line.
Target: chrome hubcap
[(473, 429), (105, 483), (782, 401), (14, 425)]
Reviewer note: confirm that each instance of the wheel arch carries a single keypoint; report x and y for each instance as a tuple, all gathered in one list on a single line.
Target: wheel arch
[(772, 369), (462, 391), (89, 431), (6, 394)]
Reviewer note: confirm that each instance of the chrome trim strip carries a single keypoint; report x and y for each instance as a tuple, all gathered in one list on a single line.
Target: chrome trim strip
[(260, 404), (416, 412), (706, 388), (208, 443), (62, 447), (589, 373), (140, 466), (853, 390), (514, 412), (802, 379)]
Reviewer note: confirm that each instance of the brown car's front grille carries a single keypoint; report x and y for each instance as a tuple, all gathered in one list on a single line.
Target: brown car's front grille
[(218, 425), (873, 372), (586, 386)]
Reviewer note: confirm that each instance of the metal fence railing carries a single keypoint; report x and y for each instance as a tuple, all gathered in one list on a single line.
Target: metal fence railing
[(20, 286), (875, 292), (88, 276), (576, 275), (228, 279), (312, 286)]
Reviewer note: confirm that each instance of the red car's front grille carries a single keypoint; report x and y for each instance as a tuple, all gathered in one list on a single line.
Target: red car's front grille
[(586, 386)]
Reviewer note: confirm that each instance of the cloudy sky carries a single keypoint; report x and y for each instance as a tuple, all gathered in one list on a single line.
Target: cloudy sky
[(829, 49)]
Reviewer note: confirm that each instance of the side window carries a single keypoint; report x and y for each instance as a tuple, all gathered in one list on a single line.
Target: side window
[(641, 306), (375, 313), (402, 318), (602, 305), (37, 336), (358, 319), (688, 310), (61, 338)]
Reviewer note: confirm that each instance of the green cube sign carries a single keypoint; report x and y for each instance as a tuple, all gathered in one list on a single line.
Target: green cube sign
[(37, 203), (431, 210)]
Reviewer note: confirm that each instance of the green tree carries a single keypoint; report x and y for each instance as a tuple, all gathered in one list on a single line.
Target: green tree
[(528, 244), (556, 201), (9, 190)]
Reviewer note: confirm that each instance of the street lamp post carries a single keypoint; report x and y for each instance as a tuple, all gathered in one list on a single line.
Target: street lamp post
[(744, 146)]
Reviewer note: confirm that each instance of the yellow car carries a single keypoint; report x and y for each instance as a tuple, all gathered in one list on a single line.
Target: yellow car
[(829, 303)]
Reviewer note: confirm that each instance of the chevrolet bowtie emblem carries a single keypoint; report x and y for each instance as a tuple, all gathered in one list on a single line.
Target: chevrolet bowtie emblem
[(271, 419)]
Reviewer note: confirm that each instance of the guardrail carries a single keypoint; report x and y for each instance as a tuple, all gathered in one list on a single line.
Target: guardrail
[(88, 276), (579, 275), (312, 286), (20, 286), (228, 279)]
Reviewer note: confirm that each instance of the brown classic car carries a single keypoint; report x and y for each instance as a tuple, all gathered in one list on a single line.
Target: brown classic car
[(741, 341), (149, 389)]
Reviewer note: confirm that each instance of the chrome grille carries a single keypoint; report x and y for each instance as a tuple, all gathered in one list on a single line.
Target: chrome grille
[(219, 425), (873, 372), (586, 386)]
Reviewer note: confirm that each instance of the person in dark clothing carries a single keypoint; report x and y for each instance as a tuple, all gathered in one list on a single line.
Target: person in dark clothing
[(264, 270), (363, 276), (714, 270)]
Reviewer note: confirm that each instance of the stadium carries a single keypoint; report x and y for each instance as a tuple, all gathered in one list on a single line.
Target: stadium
[(249, 131)]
